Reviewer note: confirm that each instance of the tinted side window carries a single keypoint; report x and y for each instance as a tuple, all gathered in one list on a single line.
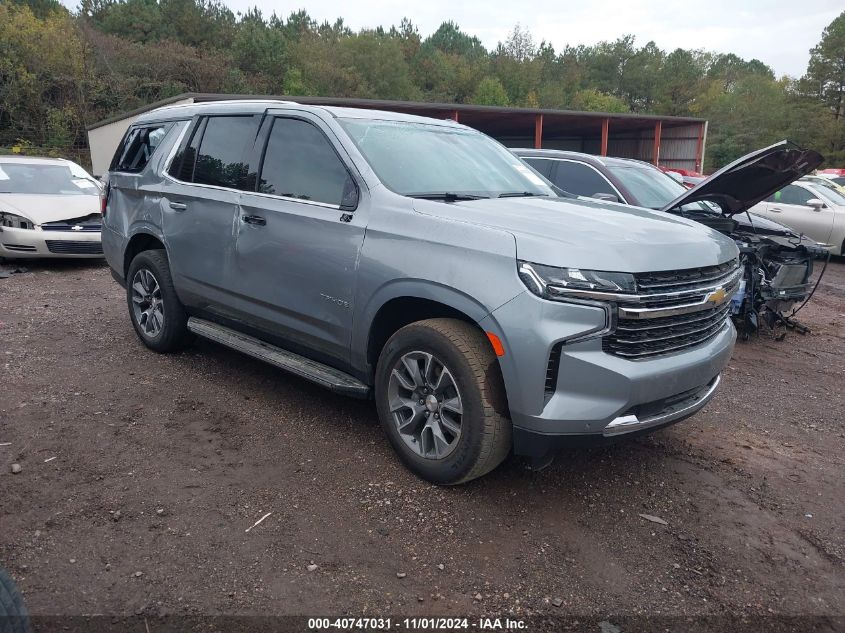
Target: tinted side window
[(792, 195), (580, 179), (182, 167), (301, 163), (223, 150), (543, 165), (137, 148)]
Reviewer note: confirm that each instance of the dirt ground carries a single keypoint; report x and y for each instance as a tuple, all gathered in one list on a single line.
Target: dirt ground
[(141, 474)]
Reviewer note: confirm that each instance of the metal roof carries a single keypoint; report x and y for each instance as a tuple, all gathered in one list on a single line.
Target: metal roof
[(506, 119)]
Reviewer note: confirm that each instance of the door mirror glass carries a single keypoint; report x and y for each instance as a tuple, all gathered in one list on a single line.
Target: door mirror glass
[(610, 197), (815, 203)]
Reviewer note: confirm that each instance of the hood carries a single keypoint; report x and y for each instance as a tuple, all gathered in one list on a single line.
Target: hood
[(752, 178), (49, 208), (592, 234)]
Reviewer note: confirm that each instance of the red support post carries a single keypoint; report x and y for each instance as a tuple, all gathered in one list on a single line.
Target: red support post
[(455, 115), (605, 128), (698, 149), (538, 131), (658, 128)]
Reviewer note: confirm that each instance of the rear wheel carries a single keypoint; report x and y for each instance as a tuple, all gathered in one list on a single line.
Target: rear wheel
[(159, 318), (441, 401)]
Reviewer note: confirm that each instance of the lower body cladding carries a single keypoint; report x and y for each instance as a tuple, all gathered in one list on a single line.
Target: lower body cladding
[(37, 244), (564, 389)]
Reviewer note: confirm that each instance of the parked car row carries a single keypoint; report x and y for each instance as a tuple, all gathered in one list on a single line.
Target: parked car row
[(777, 262), (49, 207)]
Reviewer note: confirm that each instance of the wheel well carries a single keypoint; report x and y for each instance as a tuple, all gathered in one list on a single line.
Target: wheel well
[(139, 243), (402, 311)]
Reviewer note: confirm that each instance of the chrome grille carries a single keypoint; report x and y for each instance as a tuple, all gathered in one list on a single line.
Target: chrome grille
[(673, 310)]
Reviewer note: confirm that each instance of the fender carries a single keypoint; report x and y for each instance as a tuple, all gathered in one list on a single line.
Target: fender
[(412, 288)]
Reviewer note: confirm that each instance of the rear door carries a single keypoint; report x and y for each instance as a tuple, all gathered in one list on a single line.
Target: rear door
[(200, 207), (789, 206), (298, 238)]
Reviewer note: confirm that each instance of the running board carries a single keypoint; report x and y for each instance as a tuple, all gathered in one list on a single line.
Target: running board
[(323, 375)]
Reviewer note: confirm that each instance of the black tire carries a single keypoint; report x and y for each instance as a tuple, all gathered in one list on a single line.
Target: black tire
[(485, 437), (173, 334), (13, 615)]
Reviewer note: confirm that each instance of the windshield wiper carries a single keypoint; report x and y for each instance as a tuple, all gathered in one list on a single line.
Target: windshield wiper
[(446, 196), (521, 194)]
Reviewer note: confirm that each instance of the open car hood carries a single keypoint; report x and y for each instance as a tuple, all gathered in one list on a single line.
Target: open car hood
[(754, 177)]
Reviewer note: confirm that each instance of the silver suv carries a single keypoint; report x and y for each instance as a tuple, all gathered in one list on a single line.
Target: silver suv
[(418, 262)]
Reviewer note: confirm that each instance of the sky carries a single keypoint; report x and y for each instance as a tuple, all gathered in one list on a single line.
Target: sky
[(777, 32)]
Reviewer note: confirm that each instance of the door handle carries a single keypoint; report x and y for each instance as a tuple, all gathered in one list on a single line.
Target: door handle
[(178, 206), (257, 220), (775, 210)]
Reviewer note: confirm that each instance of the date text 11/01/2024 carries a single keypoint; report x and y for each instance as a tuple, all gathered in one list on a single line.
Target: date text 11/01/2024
[(415, 624)]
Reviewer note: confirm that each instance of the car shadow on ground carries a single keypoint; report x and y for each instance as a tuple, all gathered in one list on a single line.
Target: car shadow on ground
[(24, 266), (578, 463)]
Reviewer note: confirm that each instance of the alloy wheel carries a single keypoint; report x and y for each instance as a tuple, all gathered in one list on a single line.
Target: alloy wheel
[(425, 404), (147, 304)]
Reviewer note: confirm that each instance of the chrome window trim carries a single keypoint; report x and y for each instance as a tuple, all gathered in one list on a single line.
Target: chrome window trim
[(579, 162), (313, 203), (166, 174)]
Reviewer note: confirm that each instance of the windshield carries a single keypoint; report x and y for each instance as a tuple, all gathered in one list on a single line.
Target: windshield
[(828, 194), (44, 179), (420, 159), (652, 188)]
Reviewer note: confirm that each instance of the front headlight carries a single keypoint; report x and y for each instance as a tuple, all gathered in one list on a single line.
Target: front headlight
[(550, 282), (14, 221)]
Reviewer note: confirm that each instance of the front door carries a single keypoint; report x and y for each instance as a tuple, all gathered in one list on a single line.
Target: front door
[(789, 206), (296, 252)]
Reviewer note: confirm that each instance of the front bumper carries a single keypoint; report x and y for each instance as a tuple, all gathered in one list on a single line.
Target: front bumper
[(37, 244), (593, 395)]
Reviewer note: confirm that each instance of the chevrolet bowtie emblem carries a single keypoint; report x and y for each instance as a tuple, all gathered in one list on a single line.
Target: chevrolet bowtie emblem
[(717, 296), (76, 227)]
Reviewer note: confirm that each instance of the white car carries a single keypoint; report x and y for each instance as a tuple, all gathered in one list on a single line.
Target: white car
[(814, 210), (49, 207)]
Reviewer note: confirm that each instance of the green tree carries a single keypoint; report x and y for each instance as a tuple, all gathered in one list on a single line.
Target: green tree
[(490, 91), (825, 77), (591, 100)]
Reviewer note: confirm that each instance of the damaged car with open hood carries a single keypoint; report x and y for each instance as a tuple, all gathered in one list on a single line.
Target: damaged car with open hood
[(777, 261), (49, 207)]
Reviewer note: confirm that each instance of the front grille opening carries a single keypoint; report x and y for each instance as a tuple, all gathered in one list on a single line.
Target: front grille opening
[(636, 339), (88, 224), (70, 247), (552, 370), (666, 405), (21, 248)]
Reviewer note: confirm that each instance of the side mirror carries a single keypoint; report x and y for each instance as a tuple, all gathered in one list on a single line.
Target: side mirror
[(815, 204), (610, 197)]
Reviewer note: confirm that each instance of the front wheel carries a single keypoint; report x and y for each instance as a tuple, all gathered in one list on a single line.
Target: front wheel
[(441, 400)]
